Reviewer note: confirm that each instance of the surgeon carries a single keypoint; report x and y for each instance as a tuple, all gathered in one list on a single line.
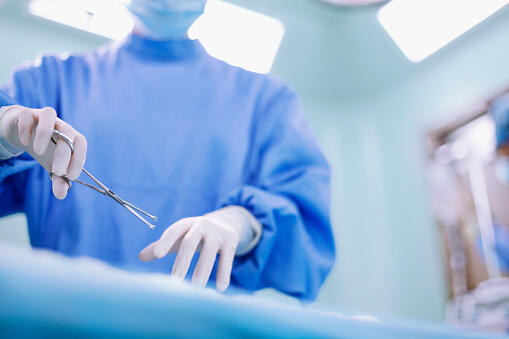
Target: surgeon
[(222, 155)]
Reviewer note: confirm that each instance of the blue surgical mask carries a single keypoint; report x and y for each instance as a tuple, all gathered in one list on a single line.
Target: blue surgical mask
[(165, 19), (502, 168)]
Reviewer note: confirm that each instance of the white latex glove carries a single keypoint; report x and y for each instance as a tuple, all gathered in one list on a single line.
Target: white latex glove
[(30, 130), (229, 231)]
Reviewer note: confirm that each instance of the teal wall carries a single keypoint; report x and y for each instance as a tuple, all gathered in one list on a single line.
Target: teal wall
[(370, 108)]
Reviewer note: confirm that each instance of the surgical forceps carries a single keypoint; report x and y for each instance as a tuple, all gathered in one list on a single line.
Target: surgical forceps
[(102, 188)]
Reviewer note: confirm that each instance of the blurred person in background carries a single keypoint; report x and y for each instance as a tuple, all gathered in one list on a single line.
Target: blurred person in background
[(499, 110)]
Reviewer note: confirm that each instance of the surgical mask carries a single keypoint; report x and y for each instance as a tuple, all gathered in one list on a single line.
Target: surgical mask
[(502, 168), (165, 19)]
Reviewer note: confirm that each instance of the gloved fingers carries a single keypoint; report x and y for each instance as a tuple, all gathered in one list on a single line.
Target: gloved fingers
[(187, 248), (60, 187), (61, 159), (62, 155), (147, 254), (46, 119), (25, 125), (171, 235), (224, 268), (78, 157), (205, 263)]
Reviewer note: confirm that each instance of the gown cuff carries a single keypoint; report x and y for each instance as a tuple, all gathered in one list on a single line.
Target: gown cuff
[(254, 230), (7, 150), (246, 225)]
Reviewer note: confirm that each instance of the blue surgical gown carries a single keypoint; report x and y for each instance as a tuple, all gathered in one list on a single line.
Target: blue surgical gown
[(180, 134)]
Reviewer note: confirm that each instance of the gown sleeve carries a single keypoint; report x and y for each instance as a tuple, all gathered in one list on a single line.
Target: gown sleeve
[(26, 88), (289, 193)]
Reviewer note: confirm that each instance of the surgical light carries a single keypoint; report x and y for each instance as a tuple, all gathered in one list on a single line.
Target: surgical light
[(422, 27), (231, 33), (107, 18), (239, 36)]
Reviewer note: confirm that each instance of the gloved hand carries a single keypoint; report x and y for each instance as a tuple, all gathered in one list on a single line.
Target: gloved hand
[(30, 130), (229, 231)]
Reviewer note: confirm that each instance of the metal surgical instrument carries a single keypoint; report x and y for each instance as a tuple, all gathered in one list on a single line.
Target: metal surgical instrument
[(102, 188)]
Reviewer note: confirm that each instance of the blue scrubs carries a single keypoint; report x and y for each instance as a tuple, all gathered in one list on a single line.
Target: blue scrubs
[(180, 134), (499, 110)]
